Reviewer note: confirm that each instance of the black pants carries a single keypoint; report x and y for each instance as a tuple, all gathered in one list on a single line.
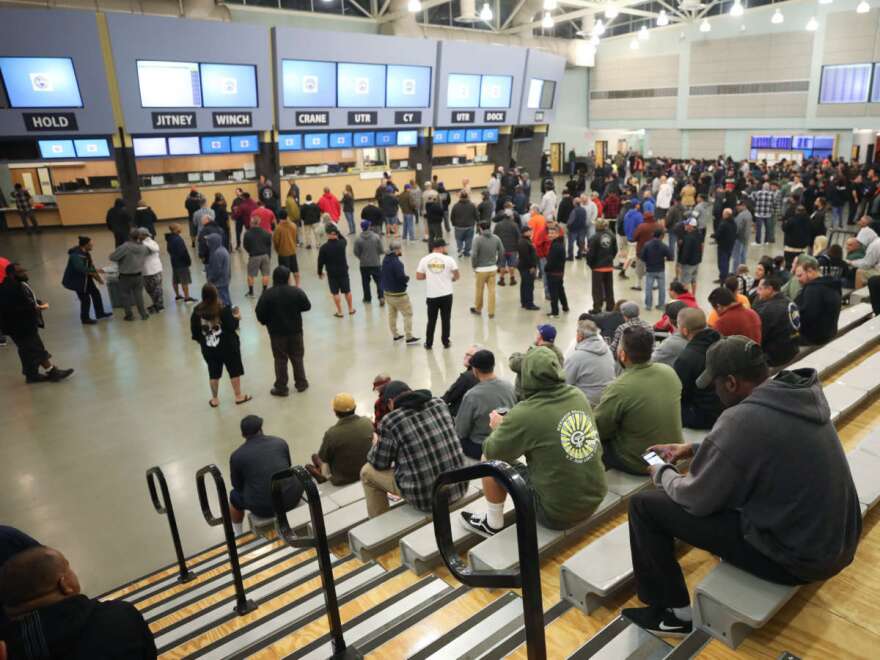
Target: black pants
[(31, 352), (723, 263), (603, 291), (655, 521), (443, 306), (526, 288), (368, 273), (693, 417), (435, 230), (239, 227), (119, 238), (557, 293), (91, 296), (789, 258), (874, 293), (289, 348)]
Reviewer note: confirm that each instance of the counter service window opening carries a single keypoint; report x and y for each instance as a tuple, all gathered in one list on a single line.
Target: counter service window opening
[(360, 85), (229, 85), (169, 84), (495, 91), (541, 93), (40, 82), (308, 84), (462, 90), (408, 86)]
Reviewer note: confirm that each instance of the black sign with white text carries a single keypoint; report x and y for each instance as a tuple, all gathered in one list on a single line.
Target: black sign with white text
[(407, 117), (49, 121), (165, 120), (494, 116), (462, 116), (233, 119), (312, 118), (365, 118)]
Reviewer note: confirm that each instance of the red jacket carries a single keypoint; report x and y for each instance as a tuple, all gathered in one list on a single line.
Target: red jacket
[(4, 262), (243, 210), (663, 325), (539, 235), (611, 206), (737, 320), (330, 205)]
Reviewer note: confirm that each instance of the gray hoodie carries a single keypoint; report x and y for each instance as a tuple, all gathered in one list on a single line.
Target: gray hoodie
[(217, 270), (487, 250), (667, 351), (786, 475), (590, 368), (368, 249), (130, 257)]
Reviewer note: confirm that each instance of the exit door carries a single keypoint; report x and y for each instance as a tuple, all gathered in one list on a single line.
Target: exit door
[(557, 156), (601, 149)]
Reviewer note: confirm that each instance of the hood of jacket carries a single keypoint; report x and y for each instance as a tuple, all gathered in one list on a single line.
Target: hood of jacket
[(797, 392), (705, 338), (213, 241), (75, 249), (414, 400), (169, 237), (594, 345), (541, 371)]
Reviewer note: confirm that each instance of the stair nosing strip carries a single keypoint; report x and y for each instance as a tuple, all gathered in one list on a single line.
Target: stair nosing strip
[(518, 638)]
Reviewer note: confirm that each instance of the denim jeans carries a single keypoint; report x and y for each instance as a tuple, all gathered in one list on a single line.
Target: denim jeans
[(650, 279), (349, 215), (740, 254), (760, 223), (542, 261), (409, 221), (672, 239), (576, 236), (837, 216), (463, 238), (223, 292)]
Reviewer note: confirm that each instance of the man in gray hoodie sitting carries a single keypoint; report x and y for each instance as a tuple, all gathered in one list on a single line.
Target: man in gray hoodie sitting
[(590, 366), (130, 257), (488, 253), (369, 251)]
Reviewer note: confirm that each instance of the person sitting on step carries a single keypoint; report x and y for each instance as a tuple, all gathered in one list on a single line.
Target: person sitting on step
[(345, 445)]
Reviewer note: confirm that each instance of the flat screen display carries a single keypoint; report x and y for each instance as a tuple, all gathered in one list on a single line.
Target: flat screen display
[(315, 140), (56, 149), (441, 136), (215, 144), (386, 138), (407, 138), (845, 83), (495, 91), (490, 135), (363, 140), (183, 146), (408, 86), (360, 85), (229, 85), (91, 148), (308, 84), (244, 144), (149, 147), (40, 82), (456, 135), (473, 135), (462, 90), (541, 94), (169, 84), (547, 94), (340, 140), (290, 143)]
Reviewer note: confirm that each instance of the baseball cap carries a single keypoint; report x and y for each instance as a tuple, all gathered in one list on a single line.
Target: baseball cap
[(630, 310), (483, 360), (380, 380), (343, 402), (547, 332), (394, 389), (365, 224), (729, 356)]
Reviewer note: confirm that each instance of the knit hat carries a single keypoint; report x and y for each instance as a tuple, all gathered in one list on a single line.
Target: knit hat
[(343, 402), (365, 225), (394, 389), (83, 240)]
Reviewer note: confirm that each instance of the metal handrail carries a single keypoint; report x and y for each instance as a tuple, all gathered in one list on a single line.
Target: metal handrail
[(318, 541), (528, 575), (242, 604), (164, 507)]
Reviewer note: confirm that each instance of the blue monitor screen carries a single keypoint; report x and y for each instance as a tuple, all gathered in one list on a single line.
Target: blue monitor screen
[(495, 91), (229, 85), (315, 140), (40, 82), (184, 146), (57, 149), (473, 135), (308, 84), (386, 138), (365, 139), (456, 135), (408, 86), (244, 144), (490, 135), (215, 144), (290, 142), (340, 140), (462, 91), (91, 148), (407, 138), (441, 137), (361, 85)]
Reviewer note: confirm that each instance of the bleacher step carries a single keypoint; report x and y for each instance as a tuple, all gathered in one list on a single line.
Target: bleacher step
[(597, 571), (865, 469), (512, 642), (346, 495), (344, 518), (622, 639)]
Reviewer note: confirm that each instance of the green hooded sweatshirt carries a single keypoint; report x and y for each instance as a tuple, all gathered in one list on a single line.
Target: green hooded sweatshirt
[(554, 428)]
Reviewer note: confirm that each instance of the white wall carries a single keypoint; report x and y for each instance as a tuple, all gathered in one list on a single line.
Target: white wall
[(570, 126)]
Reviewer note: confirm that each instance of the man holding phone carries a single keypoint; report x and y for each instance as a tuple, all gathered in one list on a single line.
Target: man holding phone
[(769, 489)]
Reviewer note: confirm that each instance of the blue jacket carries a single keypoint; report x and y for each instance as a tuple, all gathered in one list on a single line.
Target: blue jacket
[(577, 221), (177, 251), (76, 274), (393, 278), (655, 254), (631, 220), (217, 270)]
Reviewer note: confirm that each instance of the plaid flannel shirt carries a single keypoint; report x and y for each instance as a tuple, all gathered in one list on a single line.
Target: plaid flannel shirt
[(420, 445), (22, 200), (763, 203)]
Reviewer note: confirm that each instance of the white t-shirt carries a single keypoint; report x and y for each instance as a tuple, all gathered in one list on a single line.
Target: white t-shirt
[(153, 263), (437, 268)]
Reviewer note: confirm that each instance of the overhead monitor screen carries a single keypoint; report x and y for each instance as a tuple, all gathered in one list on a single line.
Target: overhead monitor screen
[(229, 85), (386, 138), (215, 144), (340, 140), (148, 147), (360, 85), (183, 146), (408, 86), (40, 82), (462, 91), (407, 138), (308, 84), (244, 144), (169, 84), (290, 142), (535, 87), (363, 140), (315, 140), (495, 91), (91, 148), (57, 149), (473, 135), (455, 135), (441, 136), (490, 135)]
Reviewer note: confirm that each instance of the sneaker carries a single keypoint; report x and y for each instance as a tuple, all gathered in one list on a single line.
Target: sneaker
[(381, 302), (501, 283), (474, 310), (659, 621), (89, 322), (178, 297), (412, 341), (128, 318), (398, 337), (622, 275), (428, 346), (56, 374), (512, 282), (367, 301), (105, 315), (38, 378), (190, 300), (635, 288), (660, 307), (275, 391), (249, 294), (532, 308), (478, 524), (301, 388), (447, 344)]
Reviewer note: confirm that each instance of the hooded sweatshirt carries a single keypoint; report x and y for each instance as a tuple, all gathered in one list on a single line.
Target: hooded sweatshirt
[(590, 367), (177, 251), (130, 257), (701, 407), (555, 430), (217, 270), (787, 477), (368, 249), (818, 302)]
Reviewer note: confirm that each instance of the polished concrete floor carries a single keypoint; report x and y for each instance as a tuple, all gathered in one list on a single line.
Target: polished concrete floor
[(73, 455)]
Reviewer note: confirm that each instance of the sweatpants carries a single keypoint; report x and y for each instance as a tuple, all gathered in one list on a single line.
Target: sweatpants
[(132, 289)]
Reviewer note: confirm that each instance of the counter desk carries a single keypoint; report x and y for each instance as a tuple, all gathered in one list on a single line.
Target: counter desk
[(363, 184), (452, 175), (47, 216), (167, 201)]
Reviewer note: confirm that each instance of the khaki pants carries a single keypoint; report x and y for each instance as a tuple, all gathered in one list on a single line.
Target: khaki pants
[(377, 485), (399, 304), (485, 280)]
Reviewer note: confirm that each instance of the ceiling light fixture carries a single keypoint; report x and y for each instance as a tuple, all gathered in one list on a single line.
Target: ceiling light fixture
[(599, 28), (863, 7), (777, 17), (704, 26), (644, 35), (546, 22), (737, 9), (663, 19), (611, 11), (550, 5), (812, 24), (414, 6), (486, 12)]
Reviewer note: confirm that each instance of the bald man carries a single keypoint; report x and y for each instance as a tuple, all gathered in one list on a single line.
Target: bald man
[(50, 617)]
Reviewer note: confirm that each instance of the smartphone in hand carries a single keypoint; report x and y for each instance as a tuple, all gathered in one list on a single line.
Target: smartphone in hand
[(652, 458)]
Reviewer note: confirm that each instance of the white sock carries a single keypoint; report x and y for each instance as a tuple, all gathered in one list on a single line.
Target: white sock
[(683, 613), (495, 515), (238, 528)]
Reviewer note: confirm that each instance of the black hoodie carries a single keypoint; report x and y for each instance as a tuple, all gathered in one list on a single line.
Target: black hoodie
[(700, 408), (819, 304), (779, 328)]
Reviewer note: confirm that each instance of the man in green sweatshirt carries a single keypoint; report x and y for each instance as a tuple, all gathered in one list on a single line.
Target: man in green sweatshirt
[(642, 407), (553, 427)]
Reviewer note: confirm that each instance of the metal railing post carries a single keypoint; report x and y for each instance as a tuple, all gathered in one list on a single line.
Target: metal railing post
[(164, 507)]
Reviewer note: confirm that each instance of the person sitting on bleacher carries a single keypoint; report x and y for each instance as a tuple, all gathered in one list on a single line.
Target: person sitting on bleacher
[(490, 393), (590, 366), (769, 490), (734, 318), (818, 302), (465, 381), (415, 443), (869, 265), (666, 351), (51, 618), (780, 322), (554, 429), (345, 445), (641, 405), (700, 407)]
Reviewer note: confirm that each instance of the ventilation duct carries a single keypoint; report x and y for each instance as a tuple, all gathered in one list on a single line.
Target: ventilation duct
[(468, 12)]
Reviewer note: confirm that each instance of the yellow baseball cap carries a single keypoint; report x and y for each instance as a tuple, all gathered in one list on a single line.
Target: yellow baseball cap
[(343, 402)]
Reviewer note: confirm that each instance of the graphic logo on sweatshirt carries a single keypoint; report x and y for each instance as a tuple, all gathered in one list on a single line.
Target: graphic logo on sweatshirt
[(794, 317), (578, 436)]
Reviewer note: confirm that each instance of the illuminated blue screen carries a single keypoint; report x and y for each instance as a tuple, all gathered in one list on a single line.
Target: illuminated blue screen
[(307, 84), (456, 135), (315, 140), (365, 139), (229, 85), (462, 91), (244, 144), (408, 86), (40, 82), (473, 135), (441, 137), (91, 148), (290, 142), (57, 149), (386, 138), (407, 138), (340, 140), (490, 135), (215, 144)]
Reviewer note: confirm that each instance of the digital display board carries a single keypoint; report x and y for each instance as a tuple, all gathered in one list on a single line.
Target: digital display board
[(315, 140), (340, 140), (229, 85), (169, 84), (56, 149), (473, 135), (290, 142), (495, 91), (490, 135), (407, 138), (456, 135), (408, 86), (441, 137), (215, 144), (360, 85), (386, 138), (547, 93), (244, 144), (363, 140), (183, 146), (144, 147), (308, 84), (462, 90), (86, 148), (40, 82)]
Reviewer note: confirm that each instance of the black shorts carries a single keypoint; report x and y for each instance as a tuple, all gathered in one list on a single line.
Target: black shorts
[(217, 360), (289, 262), (339, 284)]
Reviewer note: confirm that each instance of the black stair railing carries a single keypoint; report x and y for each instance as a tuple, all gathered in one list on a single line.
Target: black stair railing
[(164, 507), (528, 576), (242, 604), (318, 541)]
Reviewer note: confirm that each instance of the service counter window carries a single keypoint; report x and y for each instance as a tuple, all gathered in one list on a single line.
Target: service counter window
[(189, 160), (316, 162), (459, 154)]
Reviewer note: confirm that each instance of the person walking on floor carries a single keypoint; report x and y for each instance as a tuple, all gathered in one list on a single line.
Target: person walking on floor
[(488, 253), (258, 245), (654, 255), (280, 309), (409, 208), (554, 271), (393, 282), (130, 258), (725, 237), (152, 272), (311, 216), (119, 222), (80, 276), (439, 271), (332, 257), (527, 264), (369, 250), (214, 327), (284, 239), (218, 271), (601, 249), (180, 263), (25, 208)]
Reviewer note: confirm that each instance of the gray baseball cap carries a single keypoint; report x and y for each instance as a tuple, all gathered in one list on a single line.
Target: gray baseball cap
[(730, 356)]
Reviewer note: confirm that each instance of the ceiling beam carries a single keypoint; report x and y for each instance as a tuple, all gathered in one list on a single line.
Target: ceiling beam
[(516, 10), (623, 7)]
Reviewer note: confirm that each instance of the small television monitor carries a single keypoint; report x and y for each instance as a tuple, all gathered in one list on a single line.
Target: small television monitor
[(169, 84), (215, 144), (408, 86), (290, 142), (360, 85), (244, 144), (456, 135), (495, 91), (184, 146), (315, 140), (340, 140), (308, 84), (364, 140), (151, 146), (407, 138), (462, 90), (229, 85), (57, 149), (40, 82), (490, 135), (386, 138), (473, 135), (91, 148), (441, 136)]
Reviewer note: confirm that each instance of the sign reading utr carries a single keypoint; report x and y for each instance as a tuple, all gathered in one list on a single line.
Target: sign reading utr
[(363, 118), (463, 117), (174, 120), (49, 121)]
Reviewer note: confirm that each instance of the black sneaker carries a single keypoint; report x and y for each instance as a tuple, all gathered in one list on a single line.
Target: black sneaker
[(275, 391), (412, 341), (36, 378), (478, 524), (55, 374), (398, 337), (658, 620)]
